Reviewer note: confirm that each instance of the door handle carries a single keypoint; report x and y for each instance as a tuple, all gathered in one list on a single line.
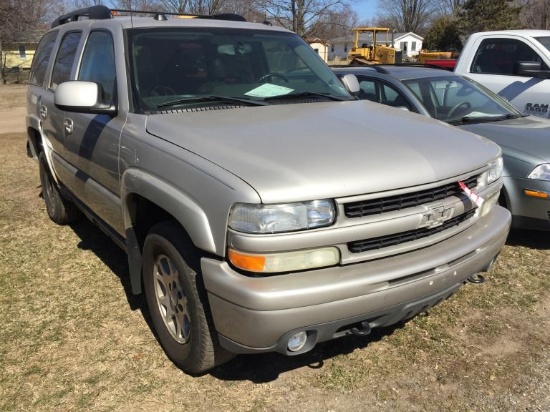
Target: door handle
[(68, 126), (43, 112)]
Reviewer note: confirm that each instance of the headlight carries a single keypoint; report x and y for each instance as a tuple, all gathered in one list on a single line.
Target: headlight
[(250, 218), (285, 261), (541, 172), (495, 171)]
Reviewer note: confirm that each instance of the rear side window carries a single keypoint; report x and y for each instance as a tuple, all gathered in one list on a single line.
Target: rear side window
[(65, 58), (42, 58)]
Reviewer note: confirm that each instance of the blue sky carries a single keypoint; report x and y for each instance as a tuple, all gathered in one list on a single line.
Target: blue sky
[(366, 9)]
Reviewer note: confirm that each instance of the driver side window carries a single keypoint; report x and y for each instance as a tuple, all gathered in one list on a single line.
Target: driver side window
[(497, 56), (98, 63)]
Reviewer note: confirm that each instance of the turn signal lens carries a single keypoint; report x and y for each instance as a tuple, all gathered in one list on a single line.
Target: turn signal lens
[(537, 194), (286, 261)]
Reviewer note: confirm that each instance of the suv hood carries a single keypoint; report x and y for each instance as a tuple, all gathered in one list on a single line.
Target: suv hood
[(530, 135), (296, 152)]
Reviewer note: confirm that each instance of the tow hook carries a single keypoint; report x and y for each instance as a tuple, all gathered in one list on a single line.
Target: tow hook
[(476, 278), (363, 330)]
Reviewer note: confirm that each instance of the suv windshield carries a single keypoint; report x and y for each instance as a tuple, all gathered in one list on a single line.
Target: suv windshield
[(453, 99), (177, 67)]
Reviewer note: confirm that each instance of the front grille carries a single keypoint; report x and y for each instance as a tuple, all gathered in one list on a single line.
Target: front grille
[(409, 236), (391, 203)]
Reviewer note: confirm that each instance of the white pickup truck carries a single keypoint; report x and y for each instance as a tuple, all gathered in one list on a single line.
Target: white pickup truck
[(513, 63)]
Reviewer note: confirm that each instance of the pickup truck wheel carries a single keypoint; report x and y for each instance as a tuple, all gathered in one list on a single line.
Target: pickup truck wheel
[(177, 300), (61, 210)]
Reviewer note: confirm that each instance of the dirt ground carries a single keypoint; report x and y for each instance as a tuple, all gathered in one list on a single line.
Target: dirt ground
[(12, 110), (74, 338)]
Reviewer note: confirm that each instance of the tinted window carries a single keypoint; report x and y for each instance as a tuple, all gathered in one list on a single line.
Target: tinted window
[(98, 62), (545, 41), (381, 92), (65, 58), (42, 58), (497, 56)]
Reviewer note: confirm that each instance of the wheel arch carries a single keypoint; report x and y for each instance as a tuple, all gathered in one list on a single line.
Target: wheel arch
[(34, 143), (146, 201), (504, 198)]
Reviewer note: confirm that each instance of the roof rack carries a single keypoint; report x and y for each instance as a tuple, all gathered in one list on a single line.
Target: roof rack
[(103, 13), (94, 12)]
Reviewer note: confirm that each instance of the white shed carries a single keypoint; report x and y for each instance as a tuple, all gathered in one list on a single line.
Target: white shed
[(321, 47), (409, 43)]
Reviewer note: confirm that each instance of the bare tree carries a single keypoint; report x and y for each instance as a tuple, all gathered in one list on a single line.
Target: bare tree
[(535, 14), (335, 24), (138, 5), (26, 20), (81, 4), (300, 16), (448, 8), (406, 15)]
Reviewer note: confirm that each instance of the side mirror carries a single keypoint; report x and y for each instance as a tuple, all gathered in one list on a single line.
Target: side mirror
[(531, 69), (82, 97), (351, 83)]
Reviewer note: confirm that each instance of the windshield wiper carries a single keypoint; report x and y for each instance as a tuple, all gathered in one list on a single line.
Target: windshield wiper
[(484, 119), (304, 94), (212, 98)]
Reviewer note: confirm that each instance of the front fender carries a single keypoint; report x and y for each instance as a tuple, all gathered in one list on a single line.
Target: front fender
[(186, 211)]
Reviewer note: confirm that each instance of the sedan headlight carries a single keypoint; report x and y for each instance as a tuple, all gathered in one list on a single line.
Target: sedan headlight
[(495, 171), (289, 217), (541, 172)]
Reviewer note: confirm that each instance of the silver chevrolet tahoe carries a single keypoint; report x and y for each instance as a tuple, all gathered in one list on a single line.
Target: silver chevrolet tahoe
[(262, 207)]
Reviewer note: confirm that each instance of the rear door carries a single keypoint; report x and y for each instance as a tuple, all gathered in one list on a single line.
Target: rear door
[(51, 118)]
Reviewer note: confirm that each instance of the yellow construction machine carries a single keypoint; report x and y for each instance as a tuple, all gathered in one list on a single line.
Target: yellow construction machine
[(373, 53)]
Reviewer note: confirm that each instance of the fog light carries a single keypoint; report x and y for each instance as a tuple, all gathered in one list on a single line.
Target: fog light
[(297, 341)]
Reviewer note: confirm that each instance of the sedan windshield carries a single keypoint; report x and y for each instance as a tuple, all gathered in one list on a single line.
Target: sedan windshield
[(197, 67), (454, 98)]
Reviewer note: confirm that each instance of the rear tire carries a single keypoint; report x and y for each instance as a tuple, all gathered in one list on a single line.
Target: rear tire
[(177, 300), (61, 210)]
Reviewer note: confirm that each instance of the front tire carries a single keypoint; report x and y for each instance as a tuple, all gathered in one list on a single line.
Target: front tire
[(177, 300), (61, 210)]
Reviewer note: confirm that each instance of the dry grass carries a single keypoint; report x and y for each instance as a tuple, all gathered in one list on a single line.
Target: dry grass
[(74, 338), (12, 96)]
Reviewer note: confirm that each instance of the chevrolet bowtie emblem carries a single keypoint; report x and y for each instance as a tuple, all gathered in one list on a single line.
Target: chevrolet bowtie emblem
[(436, 216)]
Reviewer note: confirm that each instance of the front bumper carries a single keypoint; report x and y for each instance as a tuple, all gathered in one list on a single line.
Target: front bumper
[(259, 314)]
